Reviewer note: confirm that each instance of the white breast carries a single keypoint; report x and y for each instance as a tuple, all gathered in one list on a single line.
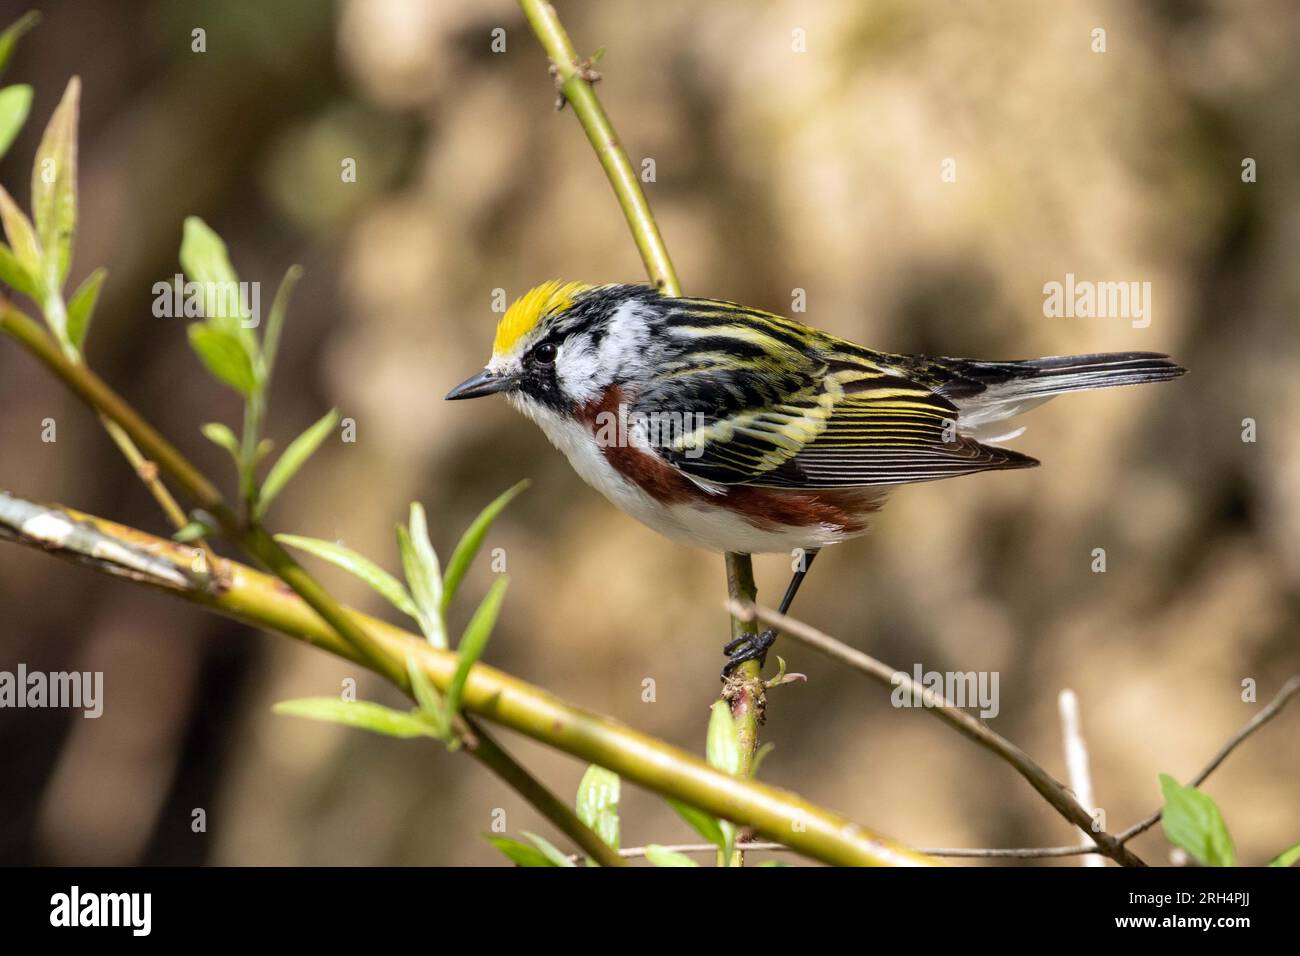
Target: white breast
[(704, 525)]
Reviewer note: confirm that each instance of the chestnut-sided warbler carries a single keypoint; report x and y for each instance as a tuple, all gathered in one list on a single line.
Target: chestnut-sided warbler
[(738, 430)]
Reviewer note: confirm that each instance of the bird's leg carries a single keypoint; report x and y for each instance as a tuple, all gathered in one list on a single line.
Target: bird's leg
[(751, 647)]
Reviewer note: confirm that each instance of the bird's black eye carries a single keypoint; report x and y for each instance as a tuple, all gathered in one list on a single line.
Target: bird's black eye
[(544, 354)]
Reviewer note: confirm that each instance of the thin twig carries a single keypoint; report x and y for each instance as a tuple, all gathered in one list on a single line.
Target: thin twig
[(385, 649), (746, 692), (147, 472), (1016, 853), (1013, 853), (484, 748), (1046, 785), (261, 600), (576, 89), (255, 540), (1076, 764), (92, 390), (144, 469), (140, 558), (1271, 710)]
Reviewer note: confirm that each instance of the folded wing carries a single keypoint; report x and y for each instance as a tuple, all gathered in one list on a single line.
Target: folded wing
[(842, 424)]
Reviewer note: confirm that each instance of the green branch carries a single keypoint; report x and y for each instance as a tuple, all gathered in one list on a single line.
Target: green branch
[(250, 596), (91, 389), (260, 599), (575, 77), (314, 616)]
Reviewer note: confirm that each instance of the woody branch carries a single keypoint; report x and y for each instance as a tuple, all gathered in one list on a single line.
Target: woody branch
[(259, 599)]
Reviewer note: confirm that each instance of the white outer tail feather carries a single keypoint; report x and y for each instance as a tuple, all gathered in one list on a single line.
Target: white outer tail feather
[(1030, 383)]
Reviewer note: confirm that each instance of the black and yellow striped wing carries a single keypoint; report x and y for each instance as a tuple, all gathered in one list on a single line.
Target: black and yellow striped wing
[(768, 402)]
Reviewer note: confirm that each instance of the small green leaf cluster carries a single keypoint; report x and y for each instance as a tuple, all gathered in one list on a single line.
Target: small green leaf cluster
[(230, 350), (597, 807), (1192, 820), (37, 254), (424, 596)]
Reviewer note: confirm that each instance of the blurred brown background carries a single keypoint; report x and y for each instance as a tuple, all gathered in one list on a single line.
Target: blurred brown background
[(775, 170)]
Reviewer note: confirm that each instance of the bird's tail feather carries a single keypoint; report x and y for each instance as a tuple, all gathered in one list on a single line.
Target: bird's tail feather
[(993, 391)]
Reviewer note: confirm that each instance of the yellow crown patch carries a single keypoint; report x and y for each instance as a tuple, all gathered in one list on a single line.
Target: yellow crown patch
[(527, 310)]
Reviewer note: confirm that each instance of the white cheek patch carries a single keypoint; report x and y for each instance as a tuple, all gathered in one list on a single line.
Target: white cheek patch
[(623, 346), (578, 368), (585, 371)]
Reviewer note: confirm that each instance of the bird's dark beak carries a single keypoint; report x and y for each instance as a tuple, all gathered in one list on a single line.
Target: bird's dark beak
[(484, 383)]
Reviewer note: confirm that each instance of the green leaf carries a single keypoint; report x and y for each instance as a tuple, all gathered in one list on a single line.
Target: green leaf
[(352, 562), (473, 641), (662, 856), (13, 33), (430, 627), (203, 254), (294, 457), (1191, 820), (15, 102), (192, 532), (221, 435), (205, 260), (774, 863), (82, 306), (423, 576), (23, 243), (426, 695), (224, 355), (54, 186), (759, 756), (521, 854), (728, 840), (1287, 857), (357, 713), (471, 541), (275, 322), (549, 850), (722, 749), (597, 805), (703, 824), (15, 275)]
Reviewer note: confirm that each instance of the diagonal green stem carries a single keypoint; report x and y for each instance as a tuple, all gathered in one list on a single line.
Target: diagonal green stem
[(489, 753), (571, 73), (746, 693), (261, 600), (92, 390), (87, 386)]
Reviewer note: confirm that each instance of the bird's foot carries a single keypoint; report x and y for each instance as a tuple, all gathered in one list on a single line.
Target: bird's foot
[(747, 647)]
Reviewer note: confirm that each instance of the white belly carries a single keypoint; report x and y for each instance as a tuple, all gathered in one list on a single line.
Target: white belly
[(712, 527)]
